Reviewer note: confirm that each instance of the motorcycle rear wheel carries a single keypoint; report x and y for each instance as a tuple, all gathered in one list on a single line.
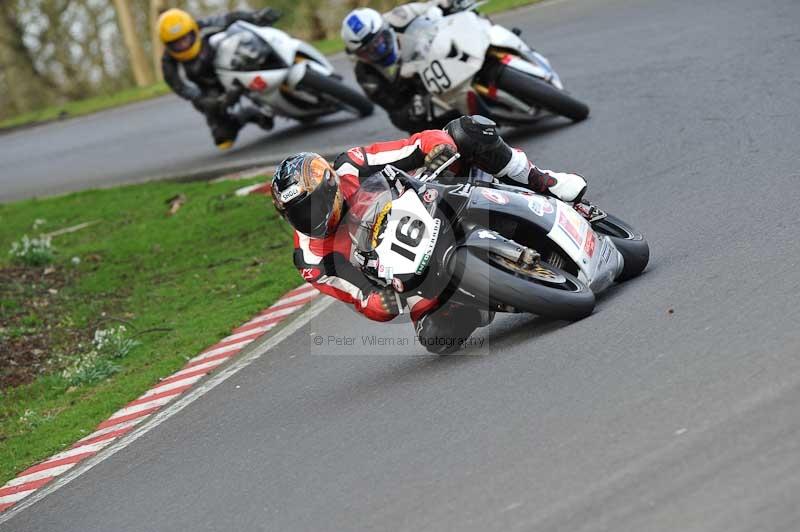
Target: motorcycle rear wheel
[(544, 290), (539, 93)]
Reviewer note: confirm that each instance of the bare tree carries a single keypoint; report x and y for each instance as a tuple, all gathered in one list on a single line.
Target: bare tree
[(142, 72), (156, 8)]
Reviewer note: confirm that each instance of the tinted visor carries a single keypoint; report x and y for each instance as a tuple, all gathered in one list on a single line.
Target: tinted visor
[(381, 48), (184, 43), (310, 214)]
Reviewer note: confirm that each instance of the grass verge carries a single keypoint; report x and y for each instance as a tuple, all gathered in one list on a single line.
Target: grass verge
[(101, 103), (178, 283)]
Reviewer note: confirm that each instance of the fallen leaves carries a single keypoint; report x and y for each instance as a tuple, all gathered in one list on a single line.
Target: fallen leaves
[(175, 203)]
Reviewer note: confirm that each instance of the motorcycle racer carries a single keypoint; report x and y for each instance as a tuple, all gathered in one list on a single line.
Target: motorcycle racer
[(312, 195), (374, 41), (188, 67)]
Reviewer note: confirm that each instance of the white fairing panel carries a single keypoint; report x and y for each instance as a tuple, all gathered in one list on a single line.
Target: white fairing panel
[(268, 88), (408, 218), (503, 38), (283, 44), (451, 55)]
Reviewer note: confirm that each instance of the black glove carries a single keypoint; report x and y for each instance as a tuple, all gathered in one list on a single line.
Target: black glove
[(439, 155), (380, 305), (267, 16), (209, 104)]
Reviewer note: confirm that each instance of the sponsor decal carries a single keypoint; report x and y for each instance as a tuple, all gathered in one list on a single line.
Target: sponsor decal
[(539, 205), (356, 155), (310, 273), (591, 243), (483, 233), (384, 272), (380, 224), (606, 253), (291, 193), (495, 196), (429, 252), (567, 226), (258, 84), (355, 24), (398, 285), (430, 195)]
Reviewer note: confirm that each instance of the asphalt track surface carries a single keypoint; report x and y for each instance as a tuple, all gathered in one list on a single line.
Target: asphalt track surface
[(634, 419)]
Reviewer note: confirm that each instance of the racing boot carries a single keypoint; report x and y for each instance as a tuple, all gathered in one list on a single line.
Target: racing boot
[(564, 186), (247, 112)]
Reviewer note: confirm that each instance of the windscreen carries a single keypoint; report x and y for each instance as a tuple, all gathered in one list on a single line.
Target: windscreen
[(418, 37), (252, 53), (368, 212)]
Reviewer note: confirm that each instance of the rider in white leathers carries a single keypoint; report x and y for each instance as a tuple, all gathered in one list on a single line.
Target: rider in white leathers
[(374, 42)]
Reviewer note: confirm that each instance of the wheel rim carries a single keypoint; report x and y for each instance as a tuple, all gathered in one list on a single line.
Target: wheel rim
[(539, 272)]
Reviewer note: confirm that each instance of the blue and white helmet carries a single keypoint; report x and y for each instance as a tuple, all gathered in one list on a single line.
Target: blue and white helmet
[(369, 37)]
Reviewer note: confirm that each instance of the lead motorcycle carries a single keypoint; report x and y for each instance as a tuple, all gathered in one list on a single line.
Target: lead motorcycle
[(492, 246), (467, 63), (283, 75)]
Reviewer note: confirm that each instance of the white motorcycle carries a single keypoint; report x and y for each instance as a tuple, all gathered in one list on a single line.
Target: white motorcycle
[(282, 75), (470, 65)]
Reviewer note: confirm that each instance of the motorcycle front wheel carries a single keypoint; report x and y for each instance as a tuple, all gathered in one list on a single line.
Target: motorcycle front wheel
[(539, 93), (543, 289)]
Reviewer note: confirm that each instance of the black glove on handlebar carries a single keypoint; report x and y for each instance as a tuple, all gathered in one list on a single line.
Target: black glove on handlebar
[(437, 157)]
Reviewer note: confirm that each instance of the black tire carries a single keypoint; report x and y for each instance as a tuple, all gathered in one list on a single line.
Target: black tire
[(493, 285), (631, 243), (337, 90), (539, 93)]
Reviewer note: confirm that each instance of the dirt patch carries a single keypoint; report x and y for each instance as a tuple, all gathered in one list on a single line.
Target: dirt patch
[(32, 332)]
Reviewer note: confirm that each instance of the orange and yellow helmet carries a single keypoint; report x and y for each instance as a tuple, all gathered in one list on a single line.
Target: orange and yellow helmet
[(306, 192), (179, 32)]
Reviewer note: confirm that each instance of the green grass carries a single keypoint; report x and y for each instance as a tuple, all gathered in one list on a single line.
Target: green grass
[(101, 103), (199, 273), (496, 6), (85, 107)]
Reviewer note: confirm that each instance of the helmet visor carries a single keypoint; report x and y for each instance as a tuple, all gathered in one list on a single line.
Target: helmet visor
[(380, 49), (182, 44), (311, 214)]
